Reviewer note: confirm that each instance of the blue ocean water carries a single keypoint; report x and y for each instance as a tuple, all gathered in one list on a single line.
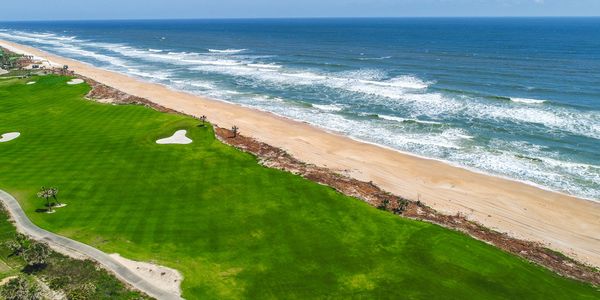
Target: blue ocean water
[(514, 97)]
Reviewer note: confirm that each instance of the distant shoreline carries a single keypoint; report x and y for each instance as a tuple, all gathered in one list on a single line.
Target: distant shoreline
[(560, 221)]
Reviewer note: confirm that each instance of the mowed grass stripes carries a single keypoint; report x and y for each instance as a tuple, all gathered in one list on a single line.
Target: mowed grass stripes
[(233, 228)]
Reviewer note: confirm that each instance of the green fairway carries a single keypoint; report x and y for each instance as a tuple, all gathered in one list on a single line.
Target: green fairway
[(233, 228)]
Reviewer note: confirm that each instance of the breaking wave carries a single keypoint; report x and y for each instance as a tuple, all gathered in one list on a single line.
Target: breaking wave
[(330, 107), (527, 100), (226, 51)]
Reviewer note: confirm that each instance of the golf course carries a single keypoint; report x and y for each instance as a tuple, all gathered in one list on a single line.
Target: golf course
[(233, 228)]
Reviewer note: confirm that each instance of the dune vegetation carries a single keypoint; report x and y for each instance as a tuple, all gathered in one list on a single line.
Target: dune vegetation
[(234, 228)]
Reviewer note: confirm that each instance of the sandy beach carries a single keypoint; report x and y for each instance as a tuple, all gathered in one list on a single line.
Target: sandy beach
[(562, 222)]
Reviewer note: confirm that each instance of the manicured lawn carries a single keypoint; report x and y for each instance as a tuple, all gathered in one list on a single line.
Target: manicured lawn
[(233, 228)]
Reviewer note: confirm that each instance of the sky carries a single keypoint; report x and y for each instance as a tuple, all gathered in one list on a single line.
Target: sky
[(176, 9)]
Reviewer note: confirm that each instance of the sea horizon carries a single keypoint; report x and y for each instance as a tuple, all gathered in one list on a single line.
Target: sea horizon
[(500, 109), (298, 18)]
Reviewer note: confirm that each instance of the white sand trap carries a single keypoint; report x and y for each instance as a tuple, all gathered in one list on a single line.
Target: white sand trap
[(177, 138), (31, 82), (75, 81), (9, 136)]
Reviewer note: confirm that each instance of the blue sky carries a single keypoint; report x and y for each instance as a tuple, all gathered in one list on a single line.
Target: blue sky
[(157, 9)]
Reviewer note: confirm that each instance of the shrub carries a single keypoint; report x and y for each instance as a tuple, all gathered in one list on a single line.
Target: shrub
[(36, 254), (401, 206), (384, 204), (20, 288), (82, 292), (59, 283)]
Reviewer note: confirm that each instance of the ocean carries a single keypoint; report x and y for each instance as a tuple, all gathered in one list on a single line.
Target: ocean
[(512, 97)]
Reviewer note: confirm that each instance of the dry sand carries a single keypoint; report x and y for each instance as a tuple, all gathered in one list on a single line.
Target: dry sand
[(162, 277), (560, 221)]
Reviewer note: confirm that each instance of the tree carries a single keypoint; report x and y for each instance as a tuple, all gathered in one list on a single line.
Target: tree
[(203, 119), (20, 288), (36, 254), (235, 130), (47, 193)]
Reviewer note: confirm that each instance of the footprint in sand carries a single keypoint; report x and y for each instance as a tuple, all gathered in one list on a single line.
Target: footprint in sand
[(177, 138), (9, 136), (75, 81)]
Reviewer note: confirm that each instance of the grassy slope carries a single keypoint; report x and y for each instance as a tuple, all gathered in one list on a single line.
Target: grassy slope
[(234, 228), (9, 264)]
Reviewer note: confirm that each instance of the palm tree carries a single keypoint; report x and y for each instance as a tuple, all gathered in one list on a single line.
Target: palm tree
[(203, 119), (46, 194), (235, 131)]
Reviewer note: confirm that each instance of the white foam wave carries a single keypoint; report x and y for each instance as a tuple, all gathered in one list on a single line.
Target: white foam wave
[(535, 165), (392, 118), (193, 84), (391, 88), (91, 54), (328, 107), (527, 100), (175, 58), (402, 120), (406, 82), (226, 51), (62, 45), (264, 66), (375, 58), (439, 106), (361, 81), (153, 75)]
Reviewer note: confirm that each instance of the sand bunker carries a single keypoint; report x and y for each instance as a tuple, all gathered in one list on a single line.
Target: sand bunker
[(31, 82), (75, 81), (9, 136), (177, 138), (165, 278)]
